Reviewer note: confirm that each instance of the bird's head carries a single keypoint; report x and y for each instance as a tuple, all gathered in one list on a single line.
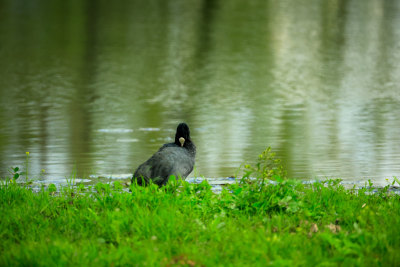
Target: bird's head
[(182, 134)]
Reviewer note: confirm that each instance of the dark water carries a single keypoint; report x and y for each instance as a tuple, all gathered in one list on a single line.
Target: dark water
[(98, 86)]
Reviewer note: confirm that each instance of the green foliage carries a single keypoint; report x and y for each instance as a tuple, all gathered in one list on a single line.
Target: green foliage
[(267, 168), (52, 188), (303, 224), (251, 223), (15, 173)]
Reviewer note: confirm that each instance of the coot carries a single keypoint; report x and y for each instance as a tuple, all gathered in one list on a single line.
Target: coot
[(175, 158)]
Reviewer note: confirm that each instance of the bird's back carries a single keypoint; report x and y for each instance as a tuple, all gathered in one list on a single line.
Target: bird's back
[(168, 160)]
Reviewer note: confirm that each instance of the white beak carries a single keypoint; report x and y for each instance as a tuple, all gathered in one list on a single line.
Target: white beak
[(181, 140)]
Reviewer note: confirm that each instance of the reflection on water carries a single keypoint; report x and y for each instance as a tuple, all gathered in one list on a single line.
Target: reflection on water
[(98, 86)]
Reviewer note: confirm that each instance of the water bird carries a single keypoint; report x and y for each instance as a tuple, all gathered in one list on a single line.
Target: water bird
[(175, 158)]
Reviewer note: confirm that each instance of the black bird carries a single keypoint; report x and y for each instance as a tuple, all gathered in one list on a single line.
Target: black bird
[(175, 158)]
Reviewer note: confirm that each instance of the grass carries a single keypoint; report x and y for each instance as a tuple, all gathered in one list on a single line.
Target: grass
[(251, 223)]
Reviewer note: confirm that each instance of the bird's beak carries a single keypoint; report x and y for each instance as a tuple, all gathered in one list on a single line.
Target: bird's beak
[(181, 140)]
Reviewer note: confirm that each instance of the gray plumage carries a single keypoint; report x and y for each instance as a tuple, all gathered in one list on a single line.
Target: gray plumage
[(171, 159)]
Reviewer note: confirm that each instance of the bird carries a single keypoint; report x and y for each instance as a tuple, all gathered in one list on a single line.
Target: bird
[(175, 158)]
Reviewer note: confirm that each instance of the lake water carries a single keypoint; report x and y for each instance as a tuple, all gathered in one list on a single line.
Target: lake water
[(96, 87)]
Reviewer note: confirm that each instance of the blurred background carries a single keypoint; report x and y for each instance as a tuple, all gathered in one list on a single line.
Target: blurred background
[(98, 86)]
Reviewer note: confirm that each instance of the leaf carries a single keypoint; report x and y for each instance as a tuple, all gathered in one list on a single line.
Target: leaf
[(16, 176), (257, 204), (52, 188), (16, 169), (238, 191)]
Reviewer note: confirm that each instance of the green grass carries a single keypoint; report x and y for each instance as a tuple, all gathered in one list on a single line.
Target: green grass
[(250, 223)]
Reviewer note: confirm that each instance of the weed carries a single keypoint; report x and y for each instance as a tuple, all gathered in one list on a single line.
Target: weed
[(267, 168), (26, 166), (15, 173)]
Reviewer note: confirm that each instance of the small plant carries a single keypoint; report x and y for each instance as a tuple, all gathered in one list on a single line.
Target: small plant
[(102, 188), (52, 189), (26, 166), (396, 180), (80, 187), (267, 168), (173, 184), (118, 186), (15, 173)]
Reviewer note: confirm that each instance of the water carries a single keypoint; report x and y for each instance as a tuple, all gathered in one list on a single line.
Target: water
[(96, 87)]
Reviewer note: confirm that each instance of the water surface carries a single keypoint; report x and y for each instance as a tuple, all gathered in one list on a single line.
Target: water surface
[(96, 87)]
